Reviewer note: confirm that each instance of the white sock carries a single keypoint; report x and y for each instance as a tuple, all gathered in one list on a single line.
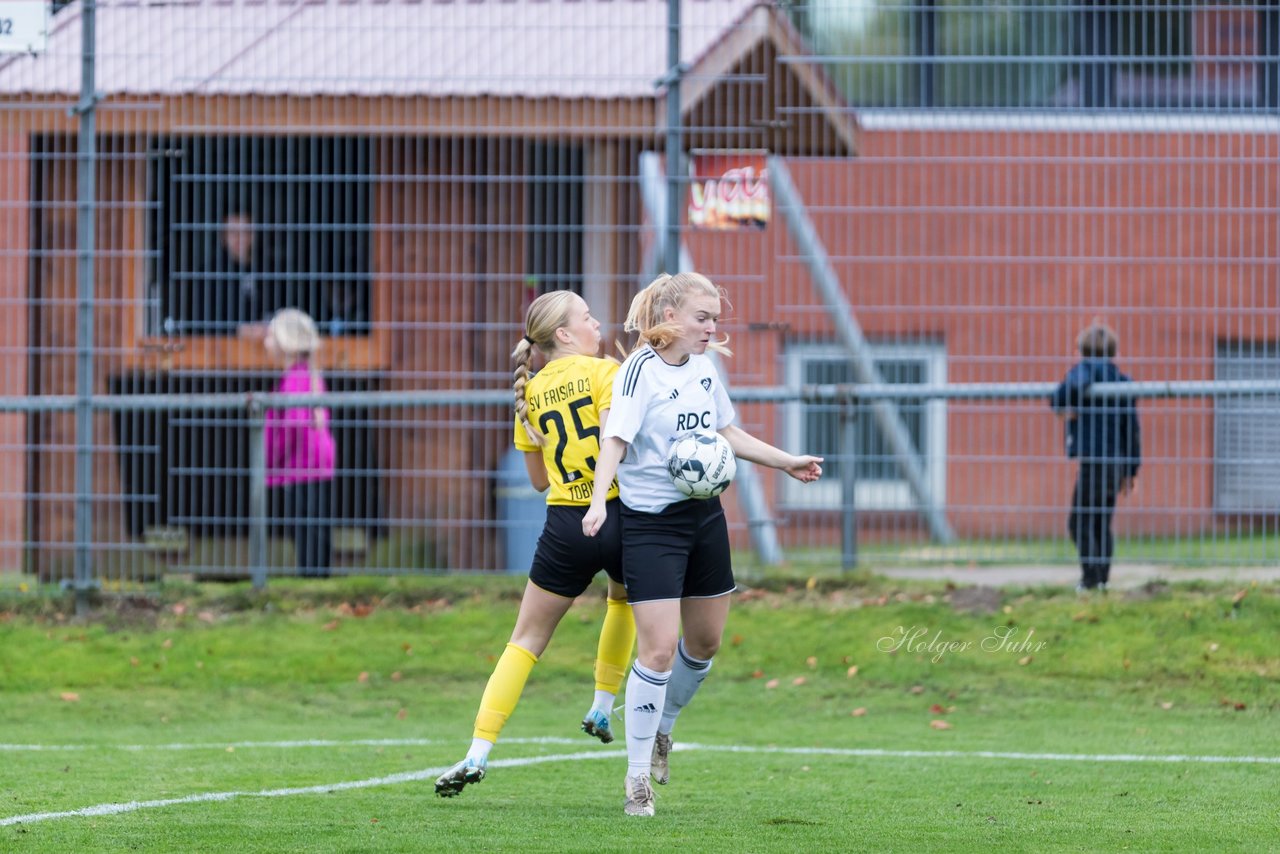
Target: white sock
[(479, 751), (686, 676), (604, 702), (646, 692)]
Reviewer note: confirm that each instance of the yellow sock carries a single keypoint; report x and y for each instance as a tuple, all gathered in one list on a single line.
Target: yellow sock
[(617, 637), (503, 691)]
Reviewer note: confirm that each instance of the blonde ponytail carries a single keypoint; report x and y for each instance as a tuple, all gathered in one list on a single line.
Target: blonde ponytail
[(645, 317)]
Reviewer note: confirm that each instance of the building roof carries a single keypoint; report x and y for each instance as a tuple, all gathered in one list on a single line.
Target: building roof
[(504, 48), (523, 59)]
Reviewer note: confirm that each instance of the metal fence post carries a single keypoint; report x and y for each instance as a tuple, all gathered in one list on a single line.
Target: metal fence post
[(86, 210), (671, 234), (257, 495), (848, 486)]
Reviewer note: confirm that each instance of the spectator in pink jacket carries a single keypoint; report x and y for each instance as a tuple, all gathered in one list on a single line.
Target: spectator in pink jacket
[(299, 446)]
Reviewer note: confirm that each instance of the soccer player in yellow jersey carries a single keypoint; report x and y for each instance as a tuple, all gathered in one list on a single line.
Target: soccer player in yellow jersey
[(560, 414)]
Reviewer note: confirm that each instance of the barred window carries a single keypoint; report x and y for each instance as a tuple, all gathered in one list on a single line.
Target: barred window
[(816, 428), (1246, 432), (243, 226)]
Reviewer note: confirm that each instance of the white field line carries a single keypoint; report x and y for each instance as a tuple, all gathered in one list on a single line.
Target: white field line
[(873, 753), (389, 780), (428, 773), (312, 742)]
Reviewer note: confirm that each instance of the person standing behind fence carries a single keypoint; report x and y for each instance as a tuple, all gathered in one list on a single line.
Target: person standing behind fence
[(300, 450), (1104, 435), (559, 415), (675, 550)]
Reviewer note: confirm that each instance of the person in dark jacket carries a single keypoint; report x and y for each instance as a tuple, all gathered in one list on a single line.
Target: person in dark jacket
[(1103, 434)]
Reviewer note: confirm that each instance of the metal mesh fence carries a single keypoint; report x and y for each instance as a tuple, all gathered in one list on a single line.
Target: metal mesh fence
[(932, 194)]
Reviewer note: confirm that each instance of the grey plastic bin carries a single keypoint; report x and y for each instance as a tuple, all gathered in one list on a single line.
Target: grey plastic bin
[(522, 510)]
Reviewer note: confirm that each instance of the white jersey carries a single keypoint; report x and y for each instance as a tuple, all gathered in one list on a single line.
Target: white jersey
[(653, 405)]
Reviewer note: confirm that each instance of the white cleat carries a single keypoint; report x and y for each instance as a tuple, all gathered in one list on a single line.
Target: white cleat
[(639, 796), (660, 761)]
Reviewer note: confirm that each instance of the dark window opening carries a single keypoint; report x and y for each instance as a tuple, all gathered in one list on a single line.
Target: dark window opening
[(244, 226), (191, 469), (556, 210)]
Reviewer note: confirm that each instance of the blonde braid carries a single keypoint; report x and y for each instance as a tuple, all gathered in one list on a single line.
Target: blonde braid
[(522, 355)]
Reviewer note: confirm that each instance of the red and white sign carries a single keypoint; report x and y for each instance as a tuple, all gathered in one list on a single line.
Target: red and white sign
[(728, 192)]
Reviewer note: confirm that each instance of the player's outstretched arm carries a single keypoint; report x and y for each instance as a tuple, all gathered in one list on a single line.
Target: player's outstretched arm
[(611, 453), (804, 468)]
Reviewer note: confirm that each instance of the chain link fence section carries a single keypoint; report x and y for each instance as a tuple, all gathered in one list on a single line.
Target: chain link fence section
[(926, 196)]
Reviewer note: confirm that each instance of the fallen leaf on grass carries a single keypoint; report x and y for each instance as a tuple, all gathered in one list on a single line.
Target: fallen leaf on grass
[(859, 712), (331, 625), (70, 697), (736, 640), (1025, 660), (757, 674), (402, 714), (852, 671), (1166, 706), (168, 644), (937, 724), (363, 677), (133, 661), (812, 661), (771, 684), (205, 616), (938, 709), (799, 680), (395, 677), (917, 689)]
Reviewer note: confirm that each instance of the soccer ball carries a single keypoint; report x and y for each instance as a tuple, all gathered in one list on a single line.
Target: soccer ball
[(701, 465)]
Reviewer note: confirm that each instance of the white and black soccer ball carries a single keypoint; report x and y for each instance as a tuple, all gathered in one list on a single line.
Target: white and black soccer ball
[(701, 465)]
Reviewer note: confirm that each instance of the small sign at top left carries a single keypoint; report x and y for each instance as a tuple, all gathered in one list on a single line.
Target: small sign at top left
[(24, 26)]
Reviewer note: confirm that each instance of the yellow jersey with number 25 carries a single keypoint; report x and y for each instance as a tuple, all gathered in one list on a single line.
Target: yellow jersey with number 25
[(565, 400)]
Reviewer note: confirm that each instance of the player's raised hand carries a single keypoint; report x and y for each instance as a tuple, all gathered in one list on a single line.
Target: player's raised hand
[(805, 469)]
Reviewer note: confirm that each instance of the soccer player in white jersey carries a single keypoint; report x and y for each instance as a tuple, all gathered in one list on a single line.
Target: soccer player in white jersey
[(559, 413), (675, 550)]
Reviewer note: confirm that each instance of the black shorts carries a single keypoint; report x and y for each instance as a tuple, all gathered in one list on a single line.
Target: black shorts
[(566, 561), (681, 552)]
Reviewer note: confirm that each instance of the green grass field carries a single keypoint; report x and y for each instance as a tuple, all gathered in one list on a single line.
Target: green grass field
[(315, 717)]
